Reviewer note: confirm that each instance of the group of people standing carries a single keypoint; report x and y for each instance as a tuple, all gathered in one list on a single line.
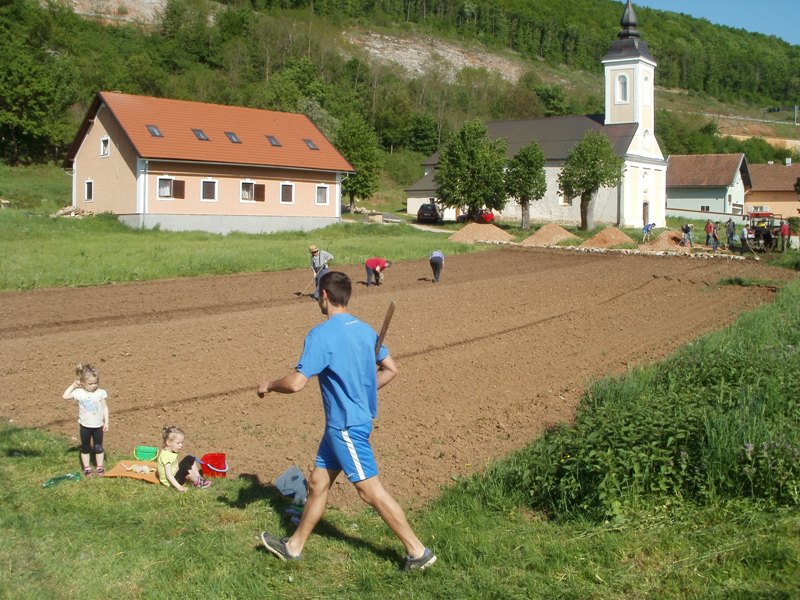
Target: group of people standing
[(745, 237)]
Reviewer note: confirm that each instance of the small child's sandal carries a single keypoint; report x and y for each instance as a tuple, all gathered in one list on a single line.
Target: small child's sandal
[(87, 472), (100, 471)]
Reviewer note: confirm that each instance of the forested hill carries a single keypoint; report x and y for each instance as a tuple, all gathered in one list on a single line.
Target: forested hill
[(693, 54), (291, 55)]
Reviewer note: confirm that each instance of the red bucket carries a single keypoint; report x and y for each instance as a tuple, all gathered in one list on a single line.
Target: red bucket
[(214, 465)]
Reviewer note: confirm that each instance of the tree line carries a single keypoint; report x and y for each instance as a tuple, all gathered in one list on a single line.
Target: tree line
[(285, 55)]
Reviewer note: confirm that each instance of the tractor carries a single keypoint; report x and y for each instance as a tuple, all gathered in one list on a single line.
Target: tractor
[(764, 228)]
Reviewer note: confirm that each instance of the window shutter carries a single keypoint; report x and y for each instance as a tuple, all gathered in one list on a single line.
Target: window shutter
[(261, 192), (178, 188)]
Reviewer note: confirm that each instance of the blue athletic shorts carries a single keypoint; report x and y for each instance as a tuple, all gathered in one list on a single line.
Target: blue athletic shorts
[(349, 451)]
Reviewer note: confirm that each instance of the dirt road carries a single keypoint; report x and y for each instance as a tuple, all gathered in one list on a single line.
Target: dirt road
[(492, 355)]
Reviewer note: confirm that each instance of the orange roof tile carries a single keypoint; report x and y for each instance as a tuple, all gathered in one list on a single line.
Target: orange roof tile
[(775, 177), (703, 170), (176, 120)]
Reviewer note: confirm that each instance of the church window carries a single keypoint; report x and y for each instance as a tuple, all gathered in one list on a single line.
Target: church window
[(622, 88)]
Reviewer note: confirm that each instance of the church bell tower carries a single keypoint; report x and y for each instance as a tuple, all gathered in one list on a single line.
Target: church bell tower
[(630, 85)]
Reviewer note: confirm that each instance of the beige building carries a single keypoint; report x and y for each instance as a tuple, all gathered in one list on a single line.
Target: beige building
[(180, 166), (773, 189)]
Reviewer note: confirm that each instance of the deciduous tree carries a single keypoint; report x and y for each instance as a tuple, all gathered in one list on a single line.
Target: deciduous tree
[(470, 171), (525, 178), (359, 145), (591, 164)]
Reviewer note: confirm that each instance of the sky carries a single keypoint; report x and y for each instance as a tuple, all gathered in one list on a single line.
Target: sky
[(780, 18)]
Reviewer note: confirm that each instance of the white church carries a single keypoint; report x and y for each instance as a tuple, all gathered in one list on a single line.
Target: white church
[(629, 122)]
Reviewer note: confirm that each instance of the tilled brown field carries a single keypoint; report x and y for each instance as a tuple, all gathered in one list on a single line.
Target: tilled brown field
[(491, 356)]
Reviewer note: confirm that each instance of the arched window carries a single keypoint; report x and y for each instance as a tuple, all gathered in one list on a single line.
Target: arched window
[(647, 97), (622, 88)]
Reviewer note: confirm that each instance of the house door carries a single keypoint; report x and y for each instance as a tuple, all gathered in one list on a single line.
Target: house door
[(645, 213)]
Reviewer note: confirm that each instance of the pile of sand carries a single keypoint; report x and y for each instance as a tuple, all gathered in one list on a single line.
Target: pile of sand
[(549, 235), (666, 240), (479, 232), (608, 237)]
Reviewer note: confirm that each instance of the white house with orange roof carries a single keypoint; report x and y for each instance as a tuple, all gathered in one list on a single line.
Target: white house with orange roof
[(182, 166)]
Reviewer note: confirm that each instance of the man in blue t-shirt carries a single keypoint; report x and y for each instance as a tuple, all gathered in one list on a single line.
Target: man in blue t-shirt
[(341, 353)]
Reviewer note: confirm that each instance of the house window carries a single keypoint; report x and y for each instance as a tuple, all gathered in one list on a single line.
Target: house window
[(705, 209), (273, 141), (170, 188), (233, 137), (622, 89), (311, 145), (322, 195), (208, 190), (564, 199), (287, 193), (200, 135), (154, 130), (88, 190), (104, 146), (252, 192)]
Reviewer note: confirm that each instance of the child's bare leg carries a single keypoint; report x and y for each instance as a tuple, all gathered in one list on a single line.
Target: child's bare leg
[(86, 461), (194, 474), (99, 458)]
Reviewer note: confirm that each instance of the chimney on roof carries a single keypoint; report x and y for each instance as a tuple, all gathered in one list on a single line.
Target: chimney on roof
[(788, 161)]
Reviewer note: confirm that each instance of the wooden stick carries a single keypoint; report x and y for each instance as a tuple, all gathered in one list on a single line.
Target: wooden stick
[(386, 320)]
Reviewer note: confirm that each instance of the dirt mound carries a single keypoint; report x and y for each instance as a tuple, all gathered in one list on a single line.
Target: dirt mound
[(72, 211), (548, 235), (666, 240), (610, 236), (479, 232)]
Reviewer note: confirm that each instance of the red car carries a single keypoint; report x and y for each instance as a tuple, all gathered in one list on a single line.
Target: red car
[(483, 216)]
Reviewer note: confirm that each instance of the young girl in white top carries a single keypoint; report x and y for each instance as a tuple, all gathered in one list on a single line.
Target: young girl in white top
[(92, 416)]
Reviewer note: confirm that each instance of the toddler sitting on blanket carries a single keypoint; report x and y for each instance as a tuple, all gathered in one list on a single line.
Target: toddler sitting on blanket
[(173, 473)]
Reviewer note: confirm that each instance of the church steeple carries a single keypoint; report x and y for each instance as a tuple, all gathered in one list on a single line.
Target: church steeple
[(630, 85), (629, 42), (628, 23)]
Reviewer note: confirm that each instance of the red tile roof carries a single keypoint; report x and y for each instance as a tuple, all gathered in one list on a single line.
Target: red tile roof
[(176, 120), (775, 177), (703, 170)]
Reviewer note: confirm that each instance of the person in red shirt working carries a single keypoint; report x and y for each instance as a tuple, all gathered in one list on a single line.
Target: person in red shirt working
[(375, 267), (784, 235)]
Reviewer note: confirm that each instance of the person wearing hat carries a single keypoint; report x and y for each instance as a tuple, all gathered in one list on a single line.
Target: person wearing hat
[(319, 262), (375, 267)]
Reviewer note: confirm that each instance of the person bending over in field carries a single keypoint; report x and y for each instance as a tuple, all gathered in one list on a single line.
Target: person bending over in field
[(375, 267), (341, 353)]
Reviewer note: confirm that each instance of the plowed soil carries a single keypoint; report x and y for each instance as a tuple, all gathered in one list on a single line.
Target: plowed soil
[(499, 350)]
